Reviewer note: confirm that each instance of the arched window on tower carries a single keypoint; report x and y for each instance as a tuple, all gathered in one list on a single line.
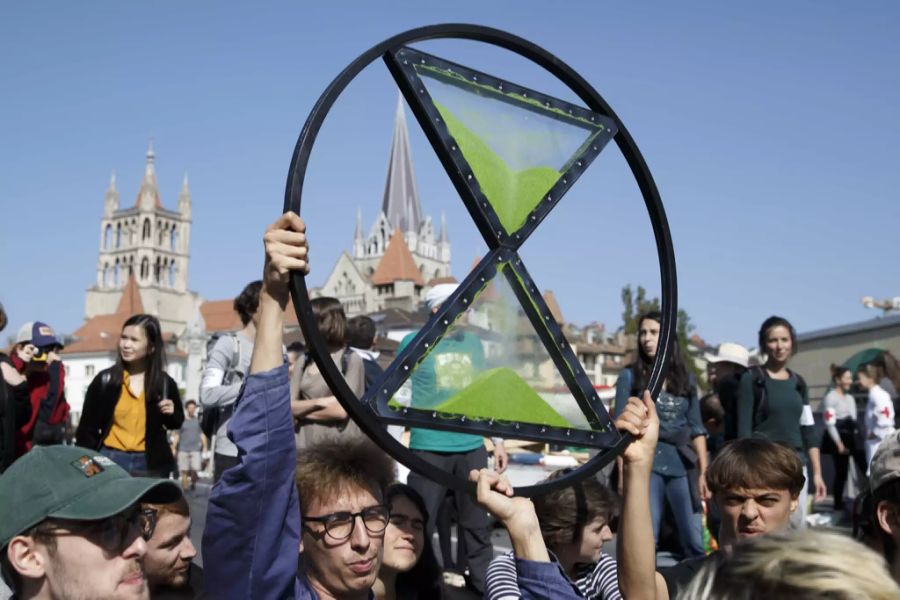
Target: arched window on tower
[(107, 236), (116, 274), (130, 266), (118, 235), (105, 279), (132, 230), (145, 269), (156, 270), (172, 273), (162, 235), (145, 235), (173, 239)]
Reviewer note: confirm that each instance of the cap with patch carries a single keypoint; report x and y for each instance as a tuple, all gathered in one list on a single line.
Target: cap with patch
[(68, 482), (37, 333), (885, 465)]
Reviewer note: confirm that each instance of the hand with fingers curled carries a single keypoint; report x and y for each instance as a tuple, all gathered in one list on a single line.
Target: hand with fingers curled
[(639, 419), (286, 251)]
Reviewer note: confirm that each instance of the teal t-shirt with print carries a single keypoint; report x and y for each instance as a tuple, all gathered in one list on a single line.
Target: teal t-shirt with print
[(447, 370)]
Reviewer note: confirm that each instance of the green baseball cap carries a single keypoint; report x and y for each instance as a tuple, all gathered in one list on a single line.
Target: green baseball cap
[(68, 482), (885, 465)]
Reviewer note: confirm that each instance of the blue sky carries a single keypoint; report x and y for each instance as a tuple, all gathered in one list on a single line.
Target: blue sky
[(770, 128)]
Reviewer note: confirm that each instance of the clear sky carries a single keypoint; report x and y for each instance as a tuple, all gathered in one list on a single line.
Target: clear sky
[(770, 127)]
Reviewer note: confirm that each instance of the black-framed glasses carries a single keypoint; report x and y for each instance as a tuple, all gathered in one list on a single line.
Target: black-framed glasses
[(339, 526), (113, 533)]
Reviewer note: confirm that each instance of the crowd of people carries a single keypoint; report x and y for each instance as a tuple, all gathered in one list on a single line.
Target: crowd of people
[(304, 505)]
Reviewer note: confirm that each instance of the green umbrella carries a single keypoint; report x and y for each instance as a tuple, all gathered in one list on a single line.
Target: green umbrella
[(862, 357)]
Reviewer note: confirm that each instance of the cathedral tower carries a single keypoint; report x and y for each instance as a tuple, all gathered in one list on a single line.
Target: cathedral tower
[(150, 242)]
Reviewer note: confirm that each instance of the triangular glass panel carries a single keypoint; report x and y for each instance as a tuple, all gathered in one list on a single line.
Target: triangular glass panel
[(492, 365), (517, 149)]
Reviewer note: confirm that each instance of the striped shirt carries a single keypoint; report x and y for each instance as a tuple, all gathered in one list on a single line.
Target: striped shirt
[(595, 582)]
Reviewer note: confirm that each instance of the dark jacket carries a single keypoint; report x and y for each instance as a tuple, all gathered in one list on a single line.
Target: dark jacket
[(97, 416), (15, 411)]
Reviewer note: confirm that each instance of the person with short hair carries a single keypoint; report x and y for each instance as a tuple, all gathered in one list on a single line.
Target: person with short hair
[(773, 403), (227, 366), (190, 444), (72, 525), (409, 570), (331, 506), (319, 415), (755, 483), (884, 486), (361, 339), (800, 565), (879, 410), (130, 407), (724, 371), (575, 522), (168, 566)]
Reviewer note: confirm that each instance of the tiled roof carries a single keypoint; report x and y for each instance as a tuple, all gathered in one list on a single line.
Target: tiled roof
[(439, 280), (220, 316), (101, 333), (397, 263)]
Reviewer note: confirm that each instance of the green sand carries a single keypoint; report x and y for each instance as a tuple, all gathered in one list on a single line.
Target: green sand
[(512, 194), (502, 395)]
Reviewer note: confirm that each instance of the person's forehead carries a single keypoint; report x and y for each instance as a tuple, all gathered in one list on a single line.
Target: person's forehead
[(171, 523), (350, 498), (755, 492), (401, 505)]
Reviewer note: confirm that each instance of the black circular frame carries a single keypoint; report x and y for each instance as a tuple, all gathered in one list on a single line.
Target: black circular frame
[(362, 414)]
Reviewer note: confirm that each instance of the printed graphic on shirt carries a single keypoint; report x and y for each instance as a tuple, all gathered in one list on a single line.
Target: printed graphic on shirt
[(453, 371)]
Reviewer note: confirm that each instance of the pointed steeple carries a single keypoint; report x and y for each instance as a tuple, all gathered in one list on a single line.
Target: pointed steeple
[(359, 226), (184, 198), (442, 238), (148, 197), (112, 196), (401, 200)]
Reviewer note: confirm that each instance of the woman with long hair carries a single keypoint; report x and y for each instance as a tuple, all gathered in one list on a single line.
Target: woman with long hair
[(317, 412), (841, 431), (575, 522), (679, 468), (129, 407), (409, 569), (879, 409), (773, 403)]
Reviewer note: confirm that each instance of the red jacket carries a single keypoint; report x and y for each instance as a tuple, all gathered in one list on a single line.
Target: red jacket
[(55, 409)]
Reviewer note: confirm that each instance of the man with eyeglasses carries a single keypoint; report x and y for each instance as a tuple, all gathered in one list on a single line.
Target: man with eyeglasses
[(71, 525), (330, 507)]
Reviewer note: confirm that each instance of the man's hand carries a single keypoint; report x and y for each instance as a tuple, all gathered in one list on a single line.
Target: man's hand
[(495, 494), (286, 251), (167, 407), (821, 488), (639, 418), (501, 458)]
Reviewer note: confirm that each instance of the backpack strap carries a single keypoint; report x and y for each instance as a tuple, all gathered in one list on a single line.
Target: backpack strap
[(345, 360), (760, 397)]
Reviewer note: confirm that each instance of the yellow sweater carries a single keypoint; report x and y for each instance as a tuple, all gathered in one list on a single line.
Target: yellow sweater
[(129, 427)]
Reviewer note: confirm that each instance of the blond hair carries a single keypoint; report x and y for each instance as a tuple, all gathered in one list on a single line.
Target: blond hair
[(801, 565)]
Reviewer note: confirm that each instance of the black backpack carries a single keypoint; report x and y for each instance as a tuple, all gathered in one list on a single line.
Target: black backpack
[(213, 416), (761, 399), (373, 371)]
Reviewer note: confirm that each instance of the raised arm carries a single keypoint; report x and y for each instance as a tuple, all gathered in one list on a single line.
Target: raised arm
[(636, 549), (252, 535), (537, 576)]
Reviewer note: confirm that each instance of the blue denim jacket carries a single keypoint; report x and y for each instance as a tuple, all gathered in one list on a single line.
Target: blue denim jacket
[(252, 534), (676, 414)]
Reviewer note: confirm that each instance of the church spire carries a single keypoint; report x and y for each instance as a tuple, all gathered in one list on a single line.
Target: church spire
[(442, 238), (401, 200), (148, 197), (184, 198), (112, 196), (358, 243)]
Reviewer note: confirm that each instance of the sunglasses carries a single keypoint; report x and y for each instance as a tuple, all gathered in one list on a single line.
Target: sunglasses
[(339, 526), (114, 533)]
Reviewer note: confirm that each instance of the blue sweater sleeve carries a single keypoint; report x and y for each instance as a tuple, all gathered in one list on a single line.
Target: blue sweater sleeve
[(544, 581), (252, 536), (623, 389)]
